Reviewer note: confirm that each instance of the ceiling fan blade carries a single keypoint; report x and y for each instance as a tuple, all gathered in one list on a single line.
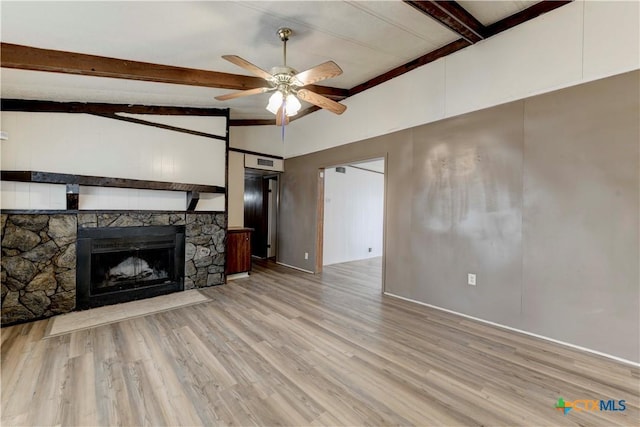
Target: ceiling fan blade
[(234, 59), (321, 101), (320, 72), (279, 115), (233, 95)]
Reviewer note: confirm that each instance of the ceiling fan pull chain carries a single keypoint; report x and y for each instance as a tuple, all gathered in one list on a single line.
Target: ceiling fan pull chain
[(283, 109)]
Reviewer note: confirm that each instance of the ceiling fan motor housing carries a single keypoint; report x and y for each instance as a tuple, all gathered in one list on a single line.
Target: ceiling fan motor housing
[(283, 78), (283, 71)]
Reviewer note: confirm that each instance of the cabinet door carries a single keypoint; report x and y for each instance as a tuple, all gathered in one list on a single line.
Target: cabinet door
[(244, 250), (238, 252)]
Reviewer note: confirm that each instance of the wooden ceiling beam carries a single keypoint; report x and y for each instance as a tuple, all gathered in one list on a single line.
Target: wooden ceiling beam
[(405, 68), (456, 10), (251, 122), (103, 108), (452, 16), (57, 61), (453, 9), (525, 15), (160, 126), (411, 65), (306, 111), (266, 122)]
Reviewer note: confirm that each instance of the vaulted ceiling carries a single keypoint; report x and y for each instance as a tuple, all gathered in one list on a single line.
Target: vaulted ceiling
[(372, 41)]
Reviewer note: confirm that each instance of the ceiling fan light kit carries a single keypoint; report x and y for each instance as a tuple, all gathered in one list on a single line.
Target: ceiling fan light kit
[(288, 85), (290, 104)]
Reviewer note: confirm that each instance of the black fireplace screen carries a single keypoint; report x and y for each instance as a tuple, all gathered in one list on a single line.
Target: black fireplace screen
[(130, 269), (128, 263)]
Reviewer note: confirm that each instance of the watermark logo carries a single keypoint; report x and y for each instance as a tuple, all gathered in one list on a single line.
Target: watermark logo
[(562, 406), (581, 405)]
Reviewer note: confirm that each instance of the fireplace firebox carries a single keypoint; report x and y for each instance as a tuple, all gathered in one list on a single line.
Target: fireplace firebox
[(122, 264)]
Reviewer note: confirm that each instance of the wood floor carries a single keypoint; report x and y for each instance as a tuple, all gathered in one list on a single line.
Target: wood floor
[(289, 348)]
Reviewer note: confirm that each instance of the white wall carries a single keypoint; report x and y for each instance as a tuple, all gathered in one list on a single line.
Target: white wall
[(353, 215), (22, 195), (89, 145), (261, 139), (579, 42)]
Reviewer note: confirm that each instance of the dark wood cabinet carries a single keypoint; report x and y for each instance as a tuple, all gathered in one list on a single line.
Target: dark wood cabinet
[(238, 250)]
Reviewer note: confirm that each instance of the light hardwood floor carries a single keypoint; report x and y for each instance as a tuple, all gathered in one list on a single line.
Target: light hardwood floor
[(289, 348)]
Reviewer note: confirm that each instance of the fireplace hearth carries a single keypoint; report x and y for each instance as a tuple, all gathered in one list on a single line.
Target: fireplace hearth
[(119, 264)]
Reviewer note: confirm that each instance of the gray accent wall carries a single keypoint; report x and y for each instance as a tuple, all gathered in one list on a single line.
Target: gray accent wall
[(538, 197)]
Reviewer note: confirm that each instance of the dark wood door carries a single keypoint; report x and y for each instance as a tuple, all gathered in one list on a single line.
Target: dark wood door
[(238, 251), (256, 211)]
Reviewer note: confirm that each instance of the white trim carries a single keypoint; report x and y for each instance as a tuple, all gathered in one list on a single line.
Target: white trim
[(295, 268), (577, 347), (237, 276)]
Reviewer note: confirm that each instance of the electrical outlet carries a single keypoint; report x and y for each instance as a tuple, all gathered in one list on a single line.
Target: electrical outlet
[(471, 279), (306, 255)]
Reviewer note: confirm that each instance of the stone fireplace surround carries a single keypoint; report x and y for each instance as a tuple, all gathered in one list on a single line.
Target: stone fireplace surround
[(39, 254)]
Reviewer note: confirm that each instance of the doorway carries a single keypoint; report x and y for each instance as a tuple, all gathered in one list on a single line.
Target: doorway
[(261, 192), (353, 214)]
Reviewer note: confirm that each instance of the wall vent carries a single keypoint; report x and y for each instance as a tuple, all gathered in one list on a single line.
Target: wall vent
[(265, 162), (341, 169)]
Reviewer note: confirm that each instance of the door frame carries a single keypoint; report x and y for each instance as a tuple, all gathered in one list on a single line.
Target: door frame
[(275, 195), (320, 211), (320, 221), (265, 176)]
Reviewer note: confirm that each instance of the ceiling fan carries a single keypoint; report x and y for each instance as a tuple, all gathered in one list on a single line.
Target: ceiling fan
[(288, 85)]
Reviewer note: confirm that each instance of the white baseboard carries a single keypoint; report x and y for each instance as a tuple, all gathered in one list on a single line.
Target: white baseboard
[(577, 347), (237, 276), (294, 267)]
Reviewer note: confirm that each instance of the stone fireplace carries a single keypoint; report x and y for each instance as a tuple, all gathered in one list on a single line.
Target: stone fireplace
[(38, 265), (39, 257)]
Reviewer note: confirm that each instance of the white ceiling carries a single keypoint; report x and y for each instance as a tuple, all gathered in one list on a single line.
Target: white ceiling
[(497, 10), (366, 38)]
